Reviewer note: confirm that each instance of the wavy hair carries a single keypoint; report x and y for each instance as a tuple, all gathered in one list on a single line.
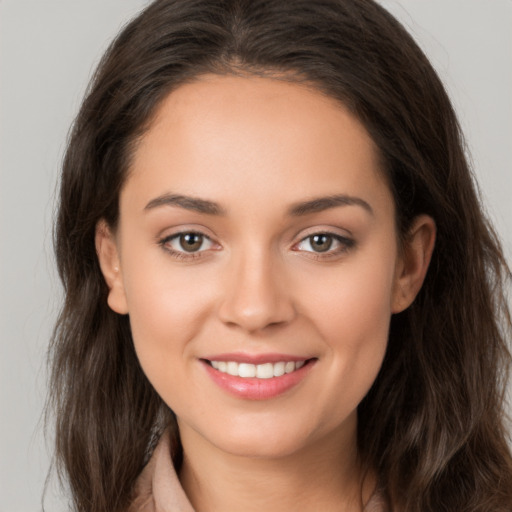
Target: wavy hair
[(433, 424)]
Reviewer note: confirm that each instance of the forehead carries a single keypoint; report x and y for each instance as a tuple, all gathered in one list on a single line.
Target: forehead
[(247, 138)]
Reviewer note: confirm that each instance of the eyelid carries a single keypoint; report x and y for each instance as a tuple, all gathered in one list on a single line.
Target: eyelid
[(179, 229), (325, 229)]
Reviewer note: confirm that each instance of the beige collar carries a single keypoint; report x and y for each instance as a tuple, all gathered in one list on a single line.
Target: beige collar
[(158, 488)]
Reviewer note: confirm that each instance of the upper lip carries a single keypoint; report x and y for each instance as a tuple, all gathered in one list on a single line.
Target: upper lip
[(241, 357)]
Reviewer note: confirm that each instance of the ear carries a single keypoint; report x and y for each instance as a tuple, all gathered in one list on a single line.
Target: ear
[(413, 262), (108, 256)]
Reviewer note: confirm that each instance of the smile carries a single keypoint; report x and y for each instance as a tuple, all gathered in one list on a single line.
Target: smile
[(259, 371), (265, 378)]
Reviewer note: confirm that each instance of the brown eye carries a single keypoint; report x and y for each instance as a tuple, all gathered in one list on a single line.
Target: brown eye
[(187, 243), (324, 245), (191, 242), (321, 242)]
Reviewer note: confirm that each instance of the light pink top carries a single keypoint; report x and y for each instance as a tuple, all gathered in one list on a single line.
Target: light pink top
[(158, 489)]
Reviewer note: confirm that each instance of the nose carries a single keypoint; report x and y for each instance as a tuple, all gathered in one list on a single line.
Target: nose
[(256, 296)]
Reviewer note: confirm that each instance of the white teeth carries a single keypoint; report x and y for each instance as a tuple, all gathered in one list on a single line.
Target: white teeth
[(246, 370), (261, 371), (278, 369), (265, 371), (232, 368), (289, 367)]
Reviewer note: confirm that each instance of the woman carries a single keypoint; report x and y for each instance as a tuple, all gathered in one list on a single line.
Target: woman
[(281, 291)]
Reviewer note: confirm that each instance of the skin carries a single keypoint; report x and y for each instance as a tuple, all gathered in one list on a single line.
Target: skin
[(257, 147)]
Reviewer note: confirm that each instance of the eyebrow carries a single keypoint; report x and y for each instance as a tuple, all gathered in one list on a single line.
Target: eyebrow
[(189, 203), (204, 206), (320, 204)]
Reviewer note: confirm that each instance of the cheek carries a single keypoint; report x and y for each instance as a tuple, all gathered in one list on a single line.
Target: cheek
[(355, 300), (167, 307), (352, 312)]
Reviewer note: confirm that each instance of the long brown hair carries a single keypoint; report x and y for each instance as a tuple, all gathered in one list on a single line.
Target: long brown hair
[(432, 426)]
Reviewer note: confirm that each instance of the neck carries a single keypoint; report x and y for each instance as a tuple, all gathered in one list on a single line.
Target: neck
[(325, 475)]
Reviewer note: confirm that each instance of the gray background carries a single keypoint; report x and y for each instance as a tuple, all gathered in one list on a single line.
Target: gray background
[(48, 49)]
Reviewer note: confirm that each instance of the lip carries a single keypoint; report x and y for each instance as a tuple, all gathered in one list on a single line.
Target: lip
[(254, 388), (240, 357)]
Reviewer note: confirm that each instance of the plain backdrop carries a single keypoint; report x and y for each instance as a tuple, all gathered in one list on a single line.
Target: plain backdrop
[(48, 49)]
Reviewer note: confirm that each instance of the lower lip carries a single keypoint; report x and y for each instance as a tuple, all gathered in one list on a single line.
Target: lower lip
[(258, 389)]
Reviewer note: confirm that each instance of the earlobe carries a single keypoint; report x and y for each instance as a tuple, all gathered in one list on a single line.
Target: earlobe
[(413, 262), (108, 257)]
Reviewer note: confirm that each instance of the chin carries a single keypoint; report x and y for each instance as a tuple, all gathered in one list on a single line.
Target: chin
[(262, 445), (273, 438)]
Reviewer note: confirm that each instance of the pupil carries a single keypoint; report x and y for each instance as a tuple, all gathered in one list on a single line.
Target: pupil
[(191, 242), (321, 243)]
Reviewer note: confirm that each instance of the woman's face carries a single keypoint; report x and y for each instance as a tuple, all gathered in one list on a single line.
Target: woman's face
[(256, 238)]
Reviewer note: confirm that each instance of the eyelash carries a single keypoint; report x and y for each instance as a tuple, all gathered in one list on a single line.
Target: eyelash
[(183, 255), (345, 244)]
